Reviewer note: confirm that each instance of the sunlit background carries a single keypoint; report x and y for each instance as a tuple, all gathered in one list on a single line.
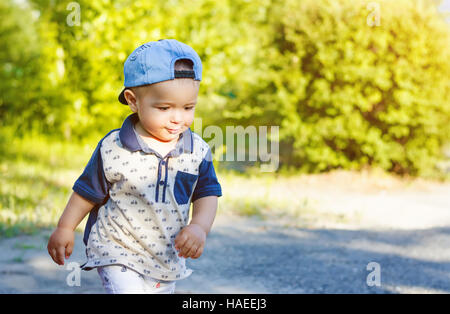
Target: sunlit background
[(360, 91)]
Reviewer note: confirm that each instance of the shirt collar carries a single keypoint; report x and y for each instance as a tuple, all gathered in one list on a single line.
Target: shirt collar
[(129, 140)]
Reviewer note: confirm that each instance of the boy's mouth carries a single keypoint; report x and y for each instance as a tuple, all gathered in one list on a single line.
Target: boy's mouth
[(173, 131)]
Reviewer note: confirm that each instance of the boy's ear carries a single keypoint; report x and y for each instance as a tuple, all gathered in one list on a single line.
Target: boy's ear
[(131, 99)]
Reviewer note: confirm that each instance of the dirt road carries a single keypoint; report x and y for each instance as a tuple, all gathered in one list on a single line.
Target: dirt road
[(405, 231)]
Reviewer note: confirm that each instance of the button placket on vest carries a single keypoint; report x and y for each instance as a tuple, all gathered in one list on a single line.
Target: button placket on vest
[(159, 181), (166, 163), (163, 161)]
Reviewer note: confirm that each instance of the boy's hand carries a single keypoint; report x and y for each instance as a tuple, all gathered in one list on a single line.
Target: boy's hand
[(60, 244), (190, 241)]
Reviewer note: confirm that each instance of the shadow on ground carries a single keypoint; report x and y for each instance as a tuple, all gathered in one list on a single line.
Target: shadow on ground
[(325, 261), (251, 256)]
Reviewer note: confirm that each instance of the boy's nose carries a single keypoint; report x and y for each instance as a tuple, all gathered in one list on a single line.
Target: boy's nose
[(176, 117)]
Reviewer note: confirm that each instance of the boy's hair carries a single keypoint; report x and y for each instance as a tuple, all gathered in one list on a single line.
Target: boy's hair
[(180, 65), (183, 64)]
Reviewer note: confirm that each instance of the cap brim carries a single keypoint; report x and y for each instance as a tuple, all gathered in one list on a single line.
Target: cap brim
[(122, 97)]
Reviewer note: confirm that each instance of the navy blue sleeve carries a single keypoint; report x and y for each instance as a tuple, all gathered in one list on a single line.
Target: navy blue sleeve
[(92, 184), (207, 184)]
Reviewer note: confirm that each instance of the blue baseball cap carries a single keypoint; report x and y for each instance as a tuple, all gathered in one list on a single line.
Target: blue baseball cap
[(154, 62)]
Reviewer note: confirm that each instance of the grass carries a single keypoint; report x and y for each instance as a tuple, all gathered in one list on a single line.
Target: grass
[(37, 175), (36, 181), (268, 197), (24, 246), (18, 259)]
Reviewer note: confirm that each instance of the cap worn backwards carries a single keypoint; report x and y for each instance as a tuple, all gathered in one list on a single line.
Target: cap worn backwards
[(154, 62)]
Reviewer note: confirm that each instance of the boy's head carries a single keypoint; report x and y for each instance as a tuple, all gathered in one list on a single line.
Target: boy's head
[(162, 81)]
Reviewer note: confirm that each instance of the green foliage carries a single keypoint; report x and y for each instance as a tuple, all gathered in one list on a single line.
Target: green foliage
[(350, 94), (37, 175), (94, 52), (345, 94), (19, 67)]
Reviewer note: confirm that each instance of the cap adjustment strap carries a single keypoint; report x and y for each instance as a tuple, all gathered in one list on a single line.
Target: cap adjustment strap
[(183, 73)]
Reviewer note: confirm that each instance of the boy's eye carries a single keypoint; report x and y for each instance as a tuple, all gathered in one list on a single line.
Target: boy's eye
[(166, 108)]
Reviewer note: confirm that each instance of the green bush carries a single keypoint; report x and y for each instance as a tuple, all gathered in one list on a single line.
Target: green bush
[(91, 55), (345, 93), (350, 93), (18, 61)]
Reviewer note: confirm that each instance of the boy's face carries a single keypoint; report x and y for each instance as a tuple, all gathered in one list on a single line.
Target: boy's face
[(165, 109)]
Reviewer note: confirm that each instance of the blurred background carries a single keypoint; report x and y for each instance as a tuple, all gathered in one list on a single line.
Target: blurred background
[(360, 91)]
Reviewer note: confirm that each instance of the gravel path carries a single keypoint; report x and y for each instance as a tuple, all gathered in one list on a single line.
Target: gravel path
[(252, 256), (257, 258), (406, 232)]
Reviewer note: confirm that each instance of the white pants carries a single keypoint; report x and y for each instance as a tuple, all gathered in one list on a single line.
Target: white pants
[(121, 279)]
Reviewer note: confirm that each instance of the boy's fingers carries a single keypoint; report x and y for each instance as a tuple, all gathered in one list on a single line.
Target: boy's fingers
[(186, 247), (60, 255), (191, 252), (180, 241), (198, 253), (55, 257), (49, 250), (186, 251), (52, 253), (69, 249)]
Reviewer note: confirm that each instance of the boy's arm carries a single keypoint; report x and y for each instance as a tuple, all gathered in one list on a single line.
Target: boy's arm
[(190, 242), (61, 241), (76, 209), (203, 212)]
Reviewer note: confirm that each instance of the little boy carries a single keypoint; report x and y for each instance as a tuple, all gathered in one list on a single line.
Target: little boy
[(141, 179)]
